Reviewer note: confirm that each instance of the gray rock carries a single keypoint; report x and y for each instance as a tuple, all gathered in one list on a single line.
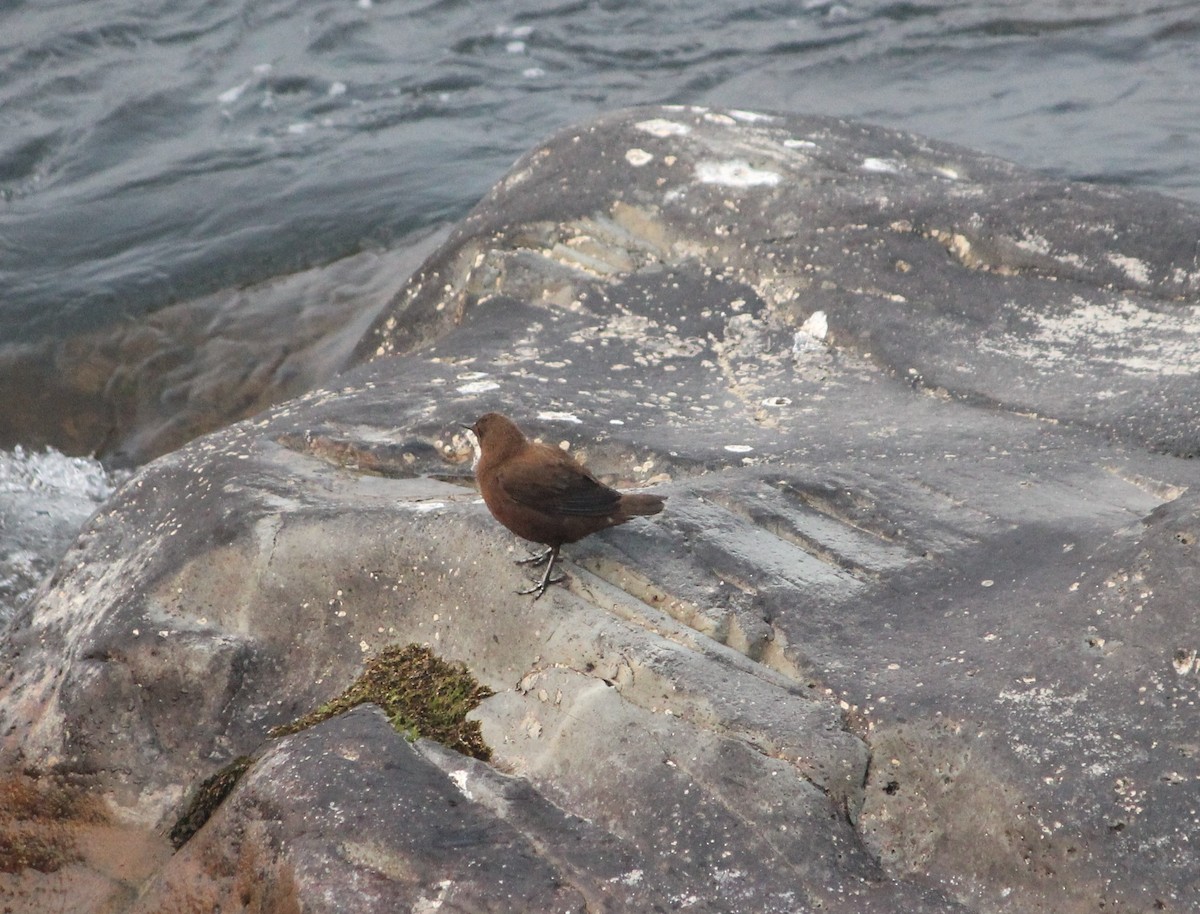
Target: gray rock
[(915, 631), (350, 817)]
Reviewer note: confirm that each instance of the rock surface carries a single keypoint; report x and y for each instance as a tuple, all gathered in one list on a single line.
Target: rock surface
[(916, 631)]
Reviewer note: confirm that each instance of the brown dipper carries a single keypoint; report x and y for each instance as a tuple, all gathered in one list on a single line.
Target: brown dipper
[(543, 494)]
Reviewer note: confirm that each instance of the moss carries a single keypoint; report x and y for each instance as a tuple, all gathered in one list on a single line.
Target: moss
[(204, 802), (421, 694), (36, 819), (40, 848)]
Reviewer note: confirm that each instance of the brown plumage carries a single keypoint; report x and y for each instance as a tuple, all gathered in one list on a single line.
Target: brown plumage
[(543, 494)]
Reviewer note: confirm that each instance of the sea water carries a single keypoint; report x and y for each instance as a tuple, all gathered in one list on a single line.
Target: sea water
[(153, 151), (45, 497)]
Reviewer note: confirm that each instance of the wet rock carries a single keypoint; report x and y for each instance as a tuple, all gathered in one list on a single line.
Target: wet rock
[(350, 816), (915, 631), (131, 392)]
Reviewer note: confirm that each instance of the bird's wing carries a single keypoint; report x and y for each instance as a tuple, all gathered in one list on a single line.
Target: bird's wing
[(562, 487)]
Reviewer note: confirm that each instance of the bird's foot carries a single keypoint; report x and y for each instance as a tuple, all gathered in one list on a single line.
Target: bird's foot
[(534, 560), (540, 587)]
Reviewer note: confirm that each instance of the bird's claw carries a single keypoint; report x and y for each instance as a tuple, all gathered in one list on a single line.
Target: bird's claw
[(540, 587), (535, 560)]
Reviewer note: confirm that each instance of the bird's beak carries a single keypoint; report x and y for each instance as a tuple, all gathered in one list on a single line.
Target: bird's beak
[(469, 428)]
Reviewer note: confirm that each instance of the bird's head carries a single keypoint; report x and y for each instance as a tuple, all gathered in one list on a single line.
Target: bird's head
[(498, 436)]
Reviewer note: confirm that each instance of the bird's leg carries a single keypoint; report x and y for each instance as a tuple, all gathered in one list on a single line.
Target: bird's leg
[(540, 588), (536, 560)]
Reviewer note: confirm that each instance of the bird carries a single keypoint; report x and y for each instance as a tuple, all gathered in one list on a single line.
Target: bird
[(544, 495)]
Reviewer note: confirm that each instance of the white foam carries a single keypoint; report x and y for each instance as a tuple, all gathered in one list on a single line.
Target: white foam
[(54, 472), (45, 497)]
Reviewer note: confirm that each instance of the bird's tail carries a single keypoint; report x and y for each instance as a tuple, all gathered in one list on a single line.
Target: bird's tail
[(640, 504)]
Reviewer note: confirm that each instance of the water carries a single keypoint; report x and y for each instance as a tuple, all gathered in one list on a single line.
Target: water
[(44, 499), (151, 151)]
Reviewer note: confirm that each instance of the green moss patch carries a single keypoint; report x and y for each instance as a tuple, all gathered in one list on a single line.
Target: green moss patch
[(421, 694), (204, 802)]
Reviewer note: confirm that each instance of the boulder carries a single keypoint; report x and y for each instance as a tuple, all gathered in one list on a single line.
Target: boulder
[(915, 632)]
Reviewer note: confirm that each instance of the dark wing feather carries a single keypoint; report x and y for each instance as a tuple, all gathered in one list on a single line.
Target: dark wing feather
[(562, 487)]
